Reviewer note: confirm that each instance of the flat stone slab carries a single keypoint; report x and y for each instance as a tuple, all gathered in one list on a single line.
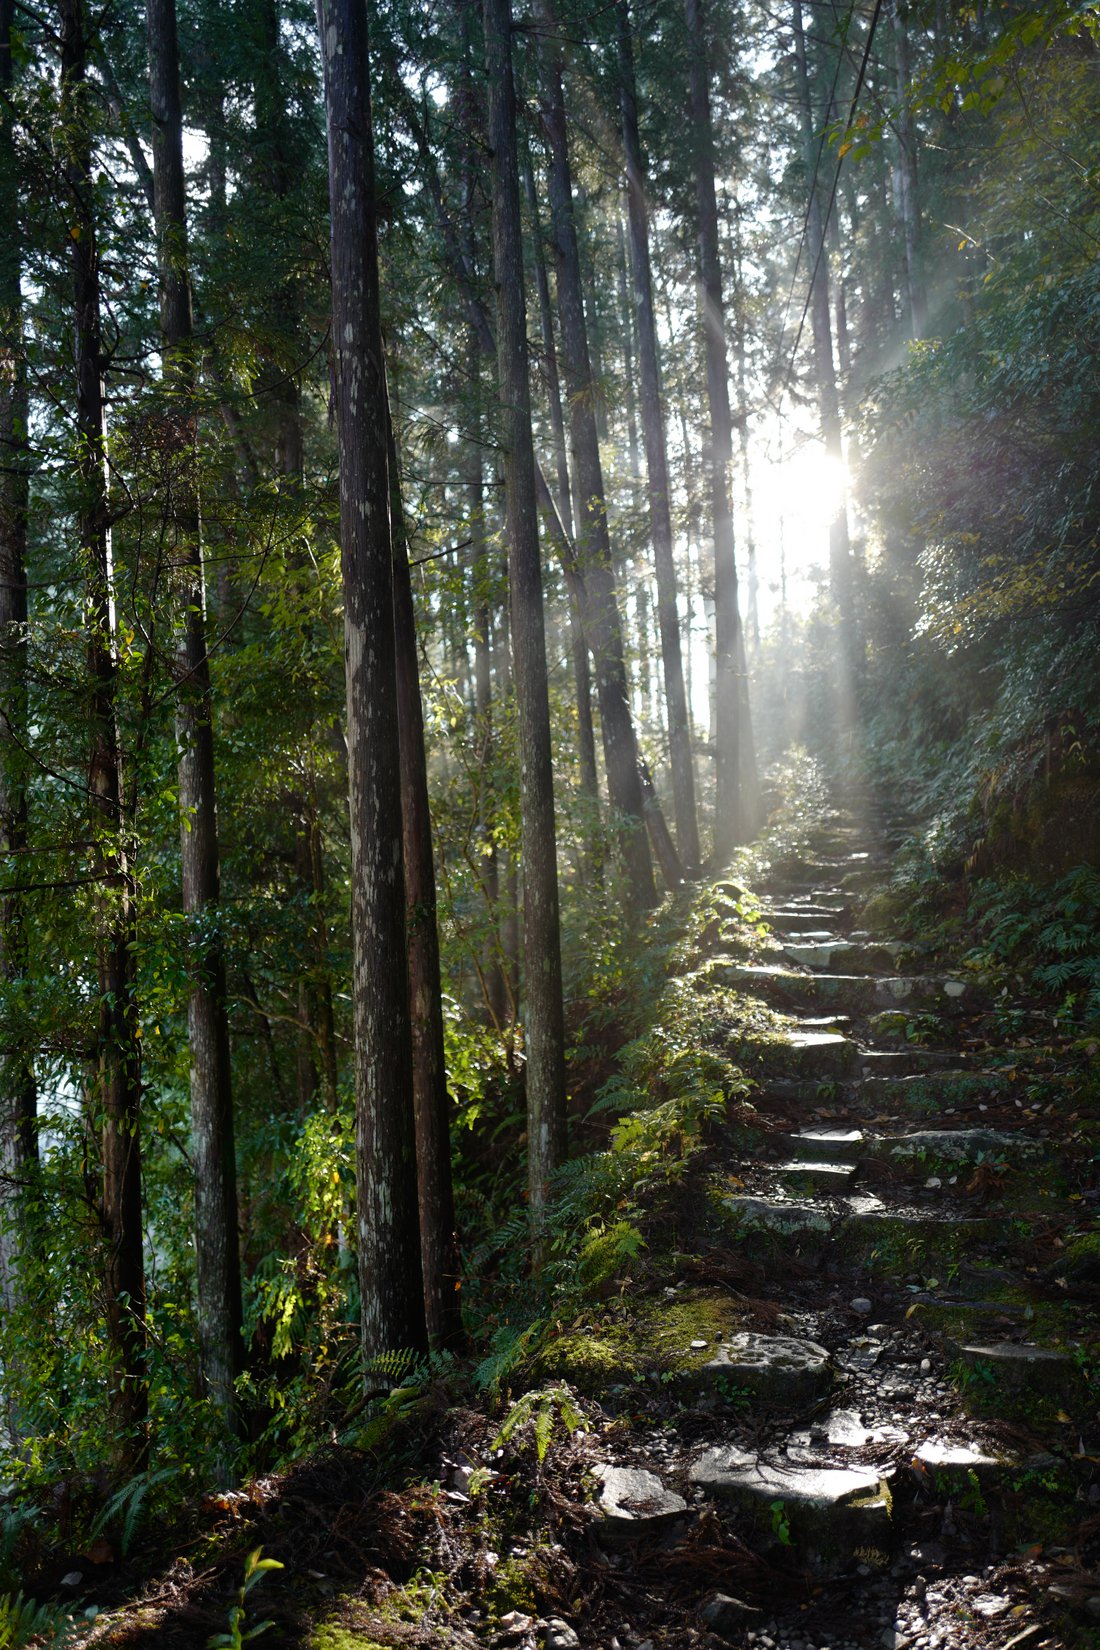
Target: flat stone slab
[(780, 1368), (895, 1063), (835, 1516), (956, 1461), (932, 1088), (841, 1429), (633, 1503), (823, 1176), (828, 954), (776, 1214), (828, 1056), (957, 1145), (1020, 1364), (839, 1145), (917, 990)]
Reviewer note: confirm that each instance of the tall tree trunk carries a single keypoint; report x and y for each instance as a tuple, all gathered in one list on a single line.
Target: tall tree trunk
[(431, 1103), (390, 1275), (578, 646), (657, 482), (18, 1097), (482, 579), (840, 555), (602, 622), (118, 1056), (908, 196), (730, 824), (546, 1120), (217, 1255)]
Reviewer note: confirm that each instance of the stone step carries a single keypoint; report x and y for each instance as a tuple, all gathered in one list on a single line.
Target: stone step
[(1021, 1364), (841, 1145), (849, 993), (633, 1503), (934, 1090), (957, 1146), (805, 1176), (832, 1518), (802, 1054), (895, 1238), (801, 919), (778, 1369), (830, 955), (907, 1062)]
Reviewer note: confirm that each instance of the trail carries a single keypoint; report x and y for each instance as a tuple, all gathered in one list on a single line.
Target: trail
[(846, 1401), (911, 1445)]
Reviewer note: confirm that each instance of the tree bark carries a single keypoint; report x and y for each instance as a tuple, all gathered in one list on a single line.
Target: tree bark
[(18, 1096), (657, 482), (118, 1048), (217, 1250), (431, 1102), (908, 195), (730, 825), (544, 1022), (390, 1276), (840, 555), (602, 622), (578, 646)]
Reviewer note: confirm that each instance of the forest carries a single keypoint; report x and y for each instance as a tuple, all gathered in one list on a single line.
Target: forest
[(549, 823)]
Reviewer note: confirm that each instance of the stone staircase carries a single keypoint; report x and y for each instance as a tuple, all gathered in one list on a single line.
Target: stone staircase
[(917, 1441)]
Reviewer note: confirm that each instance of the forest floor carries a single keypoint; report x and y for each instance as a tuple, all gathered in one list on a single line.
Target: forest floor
[(844, 1397)]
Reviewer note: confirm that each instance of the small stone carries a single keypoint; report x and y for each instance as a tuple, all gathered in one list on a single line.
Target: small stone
[(926, 1366), (72, 1579), (861, 1305), (698, 1346), (559, 1635), (725, 1615), (516, 1623)]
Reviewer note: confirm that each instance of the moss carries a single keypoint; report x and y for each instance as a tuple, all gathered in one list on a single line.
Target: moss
[(656, 1336), (336, 1636), (514, 1587)]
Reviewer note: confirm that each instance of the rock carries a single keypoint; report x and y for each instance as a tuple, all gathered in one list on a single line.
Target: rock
[(515, 1623), (633, 1502), (727, 1616), (558, 1635), (956, 1461), (831, 1514), (1022, 1365), (824, 1177), (780, 1368), (72, 1579), (861, 1305), (774, 1214)]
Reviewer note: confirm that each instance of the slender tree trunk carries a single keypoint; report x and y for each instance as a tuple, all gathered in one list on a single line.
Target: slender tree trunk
[(217, 1257), (390, 1274), (578, 647), (481, 579), (840, 556), (18, 1096), (431, 1102), (730, 824), (546, 1119), (908, 195), (117, 1081), (657, 482), (603, 624)]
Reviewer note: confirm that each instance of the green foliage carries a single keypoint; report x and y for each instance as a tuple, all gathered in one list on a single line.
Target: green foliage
[(24, 1623), (1050, 935), (255, 1568), (537, 1415)]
